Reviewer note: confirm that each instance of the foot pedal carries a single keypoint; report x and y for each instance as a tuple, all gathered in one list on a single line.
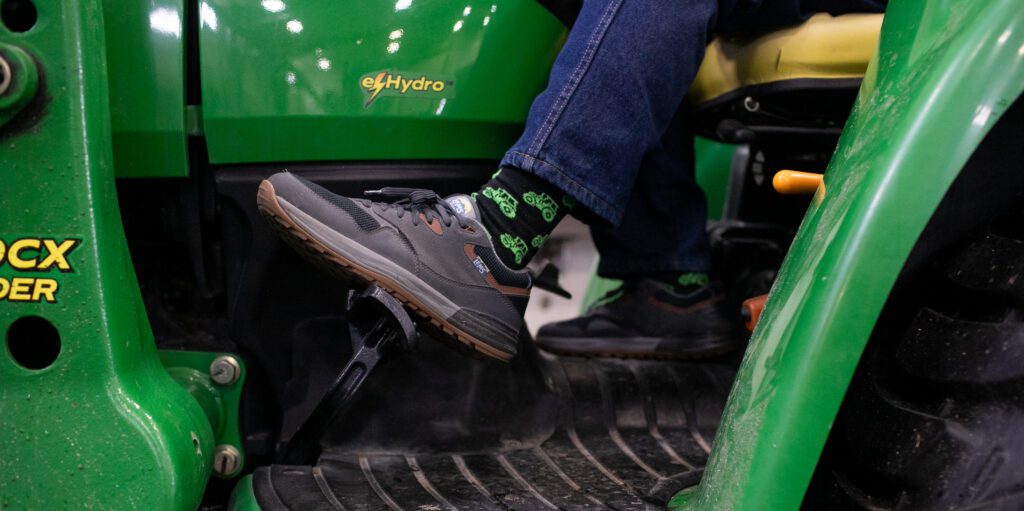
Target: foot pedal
[(378, 326)]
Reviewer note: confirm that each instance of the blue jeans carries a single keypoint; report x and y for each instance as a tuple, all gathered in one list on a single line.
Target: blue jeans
[(610, 128)]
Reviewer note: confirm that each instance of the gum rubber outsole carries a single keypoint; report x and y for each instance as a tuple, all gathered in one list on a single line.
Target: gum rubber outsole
[(347, 270)]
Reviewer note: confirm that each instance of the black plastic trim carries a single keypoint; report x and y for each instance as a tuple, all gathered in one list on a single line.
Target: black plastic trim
[(565, 10), (781, 86)]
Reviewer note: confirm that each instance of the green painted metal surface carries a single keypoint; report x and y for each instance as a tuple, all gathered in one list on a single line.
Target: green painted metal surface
[(714, 161), (146, 64), (286, 80), (103, 426), (191, 369), (946, 71), (243, 498)]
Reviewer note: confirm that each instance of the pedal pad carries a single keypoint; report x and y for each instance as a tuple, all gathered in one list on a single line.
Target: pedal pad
[(378, 325)]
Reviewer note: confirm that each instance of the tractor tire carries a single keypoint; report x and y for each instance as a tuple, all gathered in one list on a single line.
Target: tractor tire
[(934, 416)]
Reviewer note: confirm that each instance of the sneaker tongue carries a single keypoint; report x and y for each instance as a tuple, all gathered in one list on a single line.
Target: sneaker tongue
[(464, 205)]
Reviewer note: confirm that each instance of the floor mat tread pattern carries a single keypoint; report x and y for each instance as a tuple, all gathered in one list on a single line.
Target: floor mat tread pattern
[(630, 435)]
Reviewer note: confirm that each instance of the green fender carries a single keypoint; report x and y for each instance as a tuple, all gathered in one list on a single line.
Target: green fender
[(945, 72)]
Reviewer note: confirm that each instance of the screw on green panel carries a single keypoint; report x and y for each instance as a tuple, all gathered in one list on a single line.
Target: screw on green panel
[(215, 381), (19, 80)]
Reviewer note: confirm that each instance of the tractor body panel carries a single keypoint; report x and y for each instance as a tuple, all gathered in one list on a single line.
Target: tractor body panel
[(420, 80), (945, 72), (146, 68), (330, 81), (89, 416)]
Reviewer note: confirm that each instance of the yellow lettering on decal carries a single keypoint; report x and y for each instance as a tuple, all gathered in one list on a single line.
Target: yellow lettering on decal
[(35, 254), (29, 289), (20, 289), (56, 254), (45, 287), (38, 254), (14, 255), (387, 83)]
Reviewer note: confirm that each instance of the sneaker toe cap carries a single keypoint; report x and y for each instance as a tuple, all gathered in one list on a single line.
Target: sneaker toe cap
[(335, 210)]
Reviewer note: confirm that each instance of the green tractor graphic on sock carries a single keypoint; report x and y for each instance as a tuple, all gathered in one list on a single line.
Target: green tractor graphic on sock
[(505, 201), (516, 245), (542, 201)]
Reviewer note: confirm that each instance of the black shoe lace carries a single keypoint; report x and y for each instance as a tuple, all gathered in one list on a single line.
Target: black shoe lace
[(417, 201)]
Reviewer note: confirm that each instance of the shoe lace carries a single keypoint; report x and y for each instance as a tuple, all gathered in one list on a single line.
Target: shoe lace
[(417, 201)]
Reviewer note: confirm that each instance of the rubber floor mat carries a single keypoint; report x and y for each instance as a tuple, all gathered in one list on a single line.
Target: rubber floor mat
[(627, 434)]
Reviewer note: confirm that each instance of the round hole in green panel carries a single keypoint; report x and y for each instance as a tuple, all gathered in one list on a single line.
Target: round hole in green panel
[(33, 342), (18, 15)]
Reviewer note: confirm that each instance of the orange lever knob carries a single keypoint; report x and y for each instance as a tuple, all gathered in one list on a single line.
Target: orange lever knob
[(794, 182), (751, 311)]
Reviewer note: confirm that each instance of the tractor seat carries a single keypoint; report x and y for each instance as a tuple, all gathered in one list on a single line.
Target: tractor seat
[(798, 80)]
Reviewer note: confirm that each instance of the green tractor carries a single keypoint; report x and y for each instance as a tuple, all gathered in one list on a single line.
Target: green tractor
[(163, 350)]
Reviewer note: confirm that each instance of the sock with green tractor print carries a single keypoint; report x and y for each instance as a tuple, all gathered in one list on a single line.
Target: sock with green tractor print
[(519, 210)]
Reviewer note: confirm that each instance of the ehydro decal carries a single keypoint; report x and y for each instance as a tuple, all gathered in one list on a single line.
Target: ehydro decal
[(31, 254), (386, 83)]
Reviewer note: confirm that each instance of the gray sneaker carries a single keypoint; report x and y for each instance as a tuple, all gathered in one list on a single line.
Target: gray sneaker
[(432, 254)]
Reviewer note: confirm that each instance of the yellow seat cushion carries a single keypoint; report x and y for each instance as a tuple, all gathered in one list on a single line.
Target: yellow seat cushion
[(823, 47)]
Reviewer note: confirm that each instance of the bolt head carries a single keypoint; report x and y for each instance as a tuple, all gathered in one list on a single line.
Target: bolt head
[(225, 370), (751, 104), (227, 461), (6, 75)]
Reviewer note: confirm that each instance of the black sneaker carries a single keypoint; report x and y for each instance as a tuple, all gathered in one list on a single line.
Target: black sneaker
[(430, 253), (646, 318)]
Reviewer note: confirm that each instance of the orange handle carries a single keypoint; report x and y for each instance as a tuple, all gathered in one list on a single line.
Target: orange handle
[(752, 308), (794, 182)]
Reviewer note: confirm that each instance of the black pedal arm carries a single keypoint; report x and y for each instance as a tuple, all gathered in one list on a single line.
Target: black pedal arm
[(378, 324)]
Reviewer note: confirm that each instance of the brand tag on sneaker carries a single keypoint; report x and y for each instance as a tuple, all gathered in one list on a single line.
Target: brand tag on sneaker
[(481, 267), (463, 205)]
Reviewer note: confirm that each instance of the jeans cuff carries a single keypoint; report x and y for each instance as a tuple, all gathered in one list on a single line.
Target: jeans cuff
[(616, 268), (554, 174)]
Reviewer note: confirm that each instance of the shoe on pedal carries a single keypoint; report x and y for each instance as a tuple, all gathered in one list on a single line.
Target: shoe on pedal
[(433, 254), (646, 318)]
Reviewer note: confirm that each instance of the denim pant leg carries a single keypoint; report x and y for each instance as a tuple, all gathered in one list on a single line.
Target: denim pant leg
[(663, 229), (611, 95), (604, 130)]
